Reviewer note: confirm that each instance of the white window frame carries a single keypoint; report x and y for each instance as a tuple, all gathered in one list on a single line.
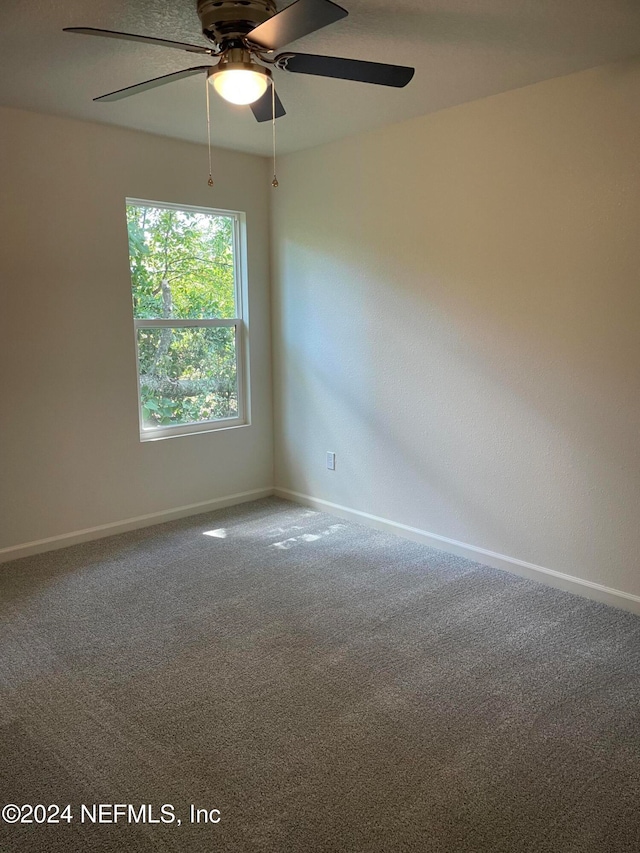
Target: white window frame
[(240, 323)]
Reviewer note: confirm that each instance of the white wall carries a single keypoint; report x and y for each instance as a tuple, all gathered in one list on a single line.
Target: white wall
[(457, 316), (70, 453)]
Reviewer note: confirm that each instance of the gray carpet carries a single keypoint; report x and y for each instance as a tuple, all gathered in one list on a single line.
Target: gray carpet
[(325, 686)]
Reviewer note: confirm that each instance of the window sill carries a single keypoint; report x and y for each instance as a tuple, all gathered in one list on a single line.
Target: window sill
[(162, 433)]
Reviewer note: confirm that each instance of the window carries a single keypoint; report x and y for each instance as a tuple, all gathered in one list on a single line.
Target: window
[(187, 285)]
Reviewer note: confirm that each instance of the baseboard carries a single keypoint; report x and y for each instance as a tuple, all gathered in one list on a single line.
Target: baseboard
[(569, 583), (64, 540)]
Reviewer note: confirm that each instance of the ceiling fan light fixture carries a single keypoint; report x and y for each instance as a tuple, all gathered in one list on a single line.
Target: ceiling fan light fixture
[(240, 82)]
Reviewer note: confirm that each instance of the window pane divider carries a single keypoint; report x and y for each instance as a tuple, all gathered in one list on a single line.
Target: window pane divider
[(179, 322)]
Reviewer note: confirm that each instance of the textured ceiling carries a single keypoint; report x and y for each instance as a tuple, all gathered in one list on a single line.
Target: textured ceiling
[(461, 49)]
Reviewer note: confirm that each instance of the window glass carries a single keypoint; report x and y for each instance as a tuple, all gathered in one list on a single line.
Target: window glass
[(187, 311)]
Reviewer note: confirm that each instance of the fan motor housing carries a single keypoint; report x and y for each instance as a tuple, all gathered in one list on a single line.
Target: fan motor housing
[(227, 20)]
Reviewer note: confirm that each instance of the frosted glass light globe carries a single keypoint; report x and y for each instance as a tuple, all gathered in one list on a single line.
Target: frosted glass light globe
[(240, 85)]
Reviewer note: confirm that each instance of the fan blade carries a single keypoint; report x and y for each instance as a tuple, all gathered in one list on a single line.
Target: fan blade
[(297, 20), (152, 84), (346, 69), (111, 34), (262, 108)]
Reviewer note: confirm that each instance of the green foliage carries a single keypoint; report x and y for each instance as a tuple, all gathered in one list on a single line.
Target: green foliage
[(182, 267), (189, 253), (156, 412), (187, 375)]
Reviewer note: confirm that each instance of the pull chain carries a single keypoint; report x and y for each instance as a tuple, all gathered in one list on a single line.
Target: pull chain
[(210, 181), (274, 182)]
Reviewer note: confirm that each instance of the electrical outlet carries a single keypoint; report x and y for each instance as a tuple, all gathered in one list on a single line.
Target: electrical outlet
[(331, 461)]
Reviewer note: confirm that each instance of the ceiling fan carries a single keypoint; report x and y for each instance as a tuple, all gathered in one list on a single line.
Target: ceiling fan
[(244, 34)]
